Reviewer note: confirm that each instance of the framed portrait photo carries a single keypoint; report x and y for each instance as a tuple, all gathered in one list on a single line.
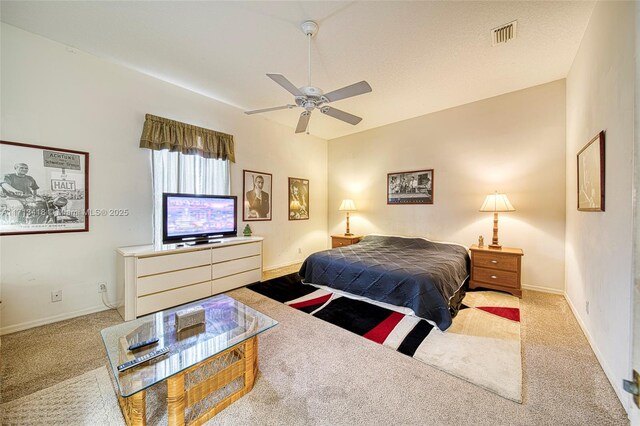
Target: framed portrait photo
[(257, 195), (591, 175), (43, 190), (298, 199), (415, 187)]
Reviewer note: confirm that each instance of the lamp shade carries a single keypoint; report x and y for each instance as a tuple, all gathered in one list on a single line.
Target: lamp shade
[(347, 205), (497, 203)]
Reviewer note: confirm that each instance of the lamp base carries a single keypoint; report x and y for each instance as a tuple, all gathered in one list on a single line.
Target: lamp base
[(348, 234), (495, 246)]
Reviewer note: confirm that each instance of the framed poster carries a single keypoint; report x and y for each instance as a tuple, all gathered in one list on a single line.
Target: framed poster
[(415, 187), (591, 175), (43, 189), (257, 195), (298, 199)]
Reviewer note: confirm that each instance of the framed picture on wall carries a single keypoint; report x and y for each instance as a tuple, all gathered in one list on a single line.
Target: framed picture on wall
[(415, 187), (257, 195), (591, 175), (298, 199), (43, 189)]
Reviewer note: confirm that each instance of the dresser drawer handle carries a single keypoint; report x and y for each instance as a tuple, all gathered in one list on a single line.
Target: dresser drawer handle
[(493, 277), (494, 261)]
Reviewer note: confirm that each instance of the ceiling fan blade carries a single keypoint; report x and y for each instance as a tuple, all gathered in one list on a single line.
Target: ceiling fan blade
[(257, 111), (303, 122), (341, 115), (282, 81), (348, 91)]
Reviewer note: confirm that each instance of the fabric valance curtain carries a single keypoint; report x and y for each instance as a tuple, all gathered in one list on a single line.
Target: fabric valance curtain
[(163, 134)]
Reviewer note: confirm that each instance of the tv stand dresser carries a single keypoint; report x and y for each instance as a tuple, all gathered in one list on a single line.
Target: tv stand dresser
[(152, 279)]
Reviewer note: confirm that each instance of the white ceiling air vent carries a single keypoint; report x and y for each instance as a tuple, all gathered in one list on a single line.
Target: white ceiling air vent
[(504, 33)]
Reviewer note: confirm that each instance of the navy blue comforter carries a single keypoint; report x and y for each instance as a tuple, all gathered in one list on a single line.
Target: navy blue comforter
[(412, 272)]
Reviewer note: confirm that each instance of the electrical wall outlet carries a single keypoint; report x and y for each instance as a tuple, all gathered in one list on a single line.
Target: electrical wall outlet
[(56, 296), (102, 287), (299, 250), (587, 307)]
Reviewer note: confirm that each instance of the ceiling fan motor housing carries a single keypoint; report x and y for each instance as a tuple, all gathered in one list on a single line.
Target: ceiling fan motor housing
[(313, 98), (311, 91)]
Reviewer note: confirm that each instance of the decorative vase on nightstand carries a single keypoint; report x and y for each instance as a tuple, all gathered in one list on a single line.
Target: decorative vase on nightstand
[(247, 231)]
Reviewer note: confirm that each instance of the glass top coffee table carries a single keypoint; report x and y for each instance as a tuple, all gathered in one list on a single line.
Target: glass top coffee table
[(208, 366)]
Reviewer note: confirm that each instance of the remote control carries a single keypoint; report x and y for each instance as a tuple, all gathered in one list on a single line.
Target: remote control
[(138, 345), (144, 358)]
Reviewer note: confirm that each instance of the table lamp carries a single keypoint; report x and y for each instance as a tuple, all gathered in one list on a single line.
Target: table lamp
[(496, 203), (347, 206)]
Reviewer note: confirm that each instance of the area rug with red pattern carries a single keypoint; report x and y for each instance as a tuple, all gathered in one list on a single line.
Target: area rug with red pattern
[(482, 345)]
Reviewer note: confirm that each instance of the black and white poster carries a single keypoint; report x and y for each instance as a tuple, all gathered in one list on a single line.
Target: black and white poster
[(415, 187), (257, 195), (42, 189)]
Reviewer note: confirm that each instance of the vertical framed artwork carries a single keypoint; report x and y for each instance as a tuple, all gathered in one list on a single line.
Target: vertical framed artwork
[(415, 187), (591, 175), (257, 195), (298, 199), (43, 190)]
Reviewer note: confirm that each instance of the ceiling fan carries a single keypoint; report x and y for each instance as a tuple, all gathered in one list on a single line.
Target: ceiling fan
[(310, 97)]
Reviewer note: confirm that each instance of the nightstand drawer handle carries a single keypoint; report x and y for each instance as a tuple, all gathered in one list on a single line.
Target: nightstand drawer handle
[(493, 277), (494, 261)]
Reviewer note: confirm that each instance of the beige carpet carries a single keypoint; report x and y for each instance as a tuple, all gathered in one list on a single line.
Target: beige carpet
[(480, 347), (313, 373), (88, 399)]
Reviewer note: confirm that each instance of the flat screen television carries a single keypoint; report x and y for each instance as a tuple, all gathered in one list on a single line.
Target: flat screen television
[(198, 218)]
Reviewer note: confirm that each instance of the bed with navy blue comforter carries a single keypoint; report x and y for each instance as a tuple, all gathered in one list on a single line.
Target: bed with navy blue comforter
[(416, 273)]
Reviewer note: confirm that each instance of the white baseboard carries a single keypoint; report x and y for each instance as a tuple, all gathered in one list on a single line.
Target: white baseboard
[(55, 318), (624, 398), (283, 265), (543, 289)]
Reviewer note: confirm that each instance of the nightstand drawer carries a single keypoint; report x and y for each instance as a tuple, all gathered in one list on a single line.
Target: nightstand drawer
[(496, 261), (342, 241), (494, 276)]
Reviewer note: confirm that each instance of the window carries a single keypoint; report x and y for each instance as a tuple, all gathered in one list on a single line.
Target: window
[(190, 174)]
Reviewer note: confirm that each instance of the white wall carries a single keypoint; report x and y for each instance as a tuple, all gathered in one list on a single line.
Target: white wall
[(514, 143), (600, 96), (57, 98)]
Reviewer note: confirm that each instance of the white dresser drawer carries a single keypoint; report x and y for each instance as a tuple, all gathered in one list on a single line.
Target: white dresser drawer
[(162, 282), (172, 262), (236, 266), (235, 281), (168, 299), (223, 254)]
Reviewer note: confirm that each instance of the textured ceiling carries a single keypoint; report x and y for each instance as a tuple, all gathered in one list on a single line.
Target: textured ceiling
[(419, 57)]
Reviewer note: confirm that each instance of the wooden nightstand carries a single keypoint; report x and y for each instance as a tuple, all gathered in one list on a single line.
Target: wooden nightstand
[(496, 269), (344, 240)]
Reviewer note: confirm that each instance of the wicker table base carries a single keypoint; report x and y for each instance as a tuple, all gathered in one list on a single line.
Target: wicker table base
[(198, 393)]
